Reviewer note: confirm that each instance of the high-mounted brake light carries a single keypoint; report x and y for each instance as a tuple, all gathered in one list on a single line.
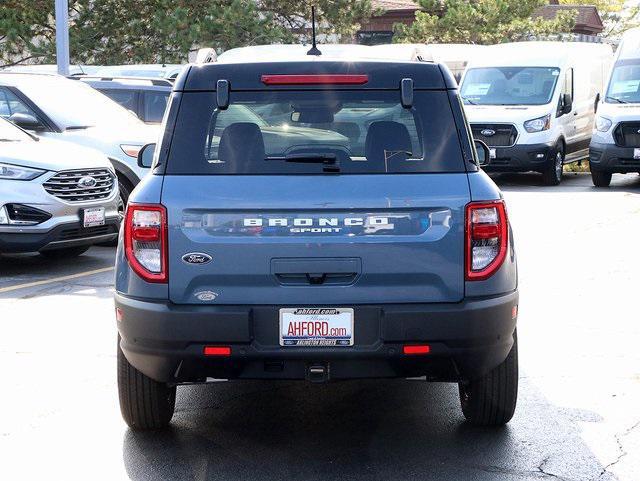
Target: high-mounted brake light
[(486, 239), (318, 79), (416, 349), (145, 241), (221, 351)]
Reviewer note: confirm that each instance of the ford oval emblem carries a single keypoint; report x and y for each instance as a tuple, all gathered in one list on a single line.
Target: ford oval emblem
[(488, 132), (87, 182), (196, 258)]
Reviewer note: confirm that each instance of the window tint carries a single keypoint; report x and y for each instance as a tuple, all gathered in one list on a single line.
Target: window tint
[(155, 104), (10, 104), (313, 132), (127, 98)]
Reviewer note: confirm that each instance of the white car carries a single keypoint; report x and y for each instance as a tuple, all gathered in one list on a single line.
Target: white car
[(55, 107), (533, 103), (55, 198)]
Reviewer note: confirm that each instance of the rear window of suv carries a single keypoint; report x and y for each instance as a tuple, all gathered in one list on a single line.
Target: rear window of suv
[(315, 132)]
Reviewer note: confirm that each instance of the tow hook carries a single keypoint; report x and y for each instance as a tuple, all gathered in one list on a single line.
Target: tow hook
[(318, 373)]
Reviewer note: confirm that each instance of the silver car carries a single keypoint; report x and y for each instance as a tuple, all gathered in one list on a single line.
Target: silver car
[(56, 198), (55, 107)]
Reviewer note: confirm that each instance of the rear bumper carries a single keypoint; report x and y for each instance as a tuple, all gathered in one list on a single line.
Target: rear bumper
[(522, 158), (611, 158), (12, 240), (467, 339)]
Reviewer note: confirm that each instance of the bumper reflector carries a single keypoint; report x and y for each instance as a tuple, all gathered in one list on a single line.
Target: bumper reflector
[(416, 349), (217, 351), (119, 315)]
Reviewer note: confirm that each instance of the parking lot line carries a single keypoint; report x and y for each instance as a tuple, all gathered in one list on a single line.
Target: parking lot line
[(54, 279)]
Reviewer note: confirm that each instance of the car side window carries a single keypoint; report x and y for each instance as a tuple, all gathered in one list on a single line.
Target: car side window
[(10, 104), (155, 103), (127, 98), (567, 87)]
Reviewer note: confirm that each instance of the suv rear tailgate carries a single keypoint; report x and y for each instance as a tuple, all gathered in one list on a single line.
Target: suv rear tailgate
[(316, 239)]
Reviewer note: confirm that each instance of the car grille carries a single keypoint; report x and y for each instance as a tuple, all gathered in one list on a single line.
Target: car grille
[(505, 134), (67, 185), (627, 134)]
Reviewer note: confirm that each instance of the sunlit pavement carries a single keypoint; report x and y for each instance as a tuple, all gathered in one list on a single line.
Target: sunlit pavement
[(578, 415)]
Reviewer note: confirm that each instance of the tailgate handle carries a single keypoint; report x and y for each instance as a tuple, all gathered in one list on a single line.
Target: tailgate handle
[(315, 272)]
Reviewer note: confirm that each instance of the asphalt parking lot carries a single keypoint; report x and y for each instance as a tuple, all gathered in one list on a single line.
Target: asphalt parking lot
[(578, 416)]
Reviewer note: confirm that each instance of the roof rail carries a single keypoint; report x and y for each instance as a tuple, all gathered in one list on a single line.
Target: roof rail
[(158, 82)]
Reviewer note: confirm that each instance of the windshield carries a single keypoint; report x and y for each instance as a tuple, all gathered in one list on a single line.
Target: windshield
[(509, 85), (315, 132), (624, 86), (11, 133), (74, 105)]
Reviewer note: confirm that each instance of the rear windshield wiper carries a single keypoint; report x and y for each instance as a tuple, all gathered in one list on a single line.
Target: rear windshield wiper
[(616, 99), (329, 161)]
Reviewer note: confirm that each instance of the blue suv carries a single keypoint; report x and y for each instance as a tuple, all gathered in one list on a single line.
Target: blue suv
[(319, 220)]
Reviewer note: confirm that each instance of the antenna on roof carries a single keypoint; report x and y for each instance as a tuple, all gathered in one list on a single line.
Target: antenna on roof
[(313, 50)]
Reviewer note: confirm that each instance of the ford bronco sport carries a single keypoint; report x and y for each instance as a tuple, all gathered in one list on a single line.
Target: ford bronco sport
[(319, 220)]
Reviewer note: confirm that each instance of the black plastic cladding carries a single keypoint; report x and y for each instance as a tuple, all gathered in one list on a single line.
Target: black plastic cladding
[(382, 75)]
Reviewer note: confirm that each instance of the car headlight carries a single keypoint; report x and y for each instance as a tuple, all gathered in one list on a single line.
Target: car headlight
[(539, 124), (17, 172), (603, 124)]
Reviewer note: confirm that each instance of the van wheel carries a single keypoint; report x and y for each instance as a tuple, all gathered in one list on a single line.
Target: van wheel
[(145, 404), (601, 179), (553, 174), (65, 253), (491, 399)]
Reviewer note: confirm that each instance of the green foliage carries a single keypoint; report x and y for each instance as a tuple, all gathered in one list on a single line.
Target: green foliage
[(150, 31), (480, 22)]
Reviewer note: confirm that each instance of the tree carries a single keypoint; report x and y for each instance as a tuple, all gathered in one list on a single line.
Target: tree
[(150, 31), (479, 21)]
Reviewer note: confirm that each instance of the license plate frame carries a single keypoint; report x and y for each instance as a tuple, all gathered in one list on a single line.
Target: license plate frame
[(93, 217), (311, 322)]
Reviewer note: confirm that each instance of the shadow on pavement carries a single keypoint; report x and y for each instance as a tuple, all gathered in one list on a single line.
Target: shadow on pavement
[(383, 430)]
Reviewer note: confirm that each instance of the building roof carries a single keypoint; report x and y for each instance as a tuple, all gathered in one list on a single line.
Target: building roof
[(587, 21), (395, 5)]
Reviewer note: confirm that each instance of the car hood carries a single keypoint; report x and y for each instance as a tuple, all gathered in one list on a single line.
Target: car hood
[(514, 114), (134, 133), (51, 155), (619, 112)]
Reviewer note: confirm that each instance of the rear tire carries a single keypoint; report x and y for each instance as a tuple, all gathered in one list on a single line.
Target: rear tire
[(552, 175), (65, 253), (491, 399), (601, 179), (145, 404)]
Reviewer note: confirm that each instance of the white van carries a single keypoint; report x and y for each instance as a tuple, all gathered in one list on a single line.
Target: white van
[(534, 103), (615, 145)]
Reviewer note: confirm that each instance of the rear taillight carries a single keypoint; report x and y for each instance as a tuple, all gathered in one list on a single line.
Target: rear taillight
[(145, 241), (486, 239)]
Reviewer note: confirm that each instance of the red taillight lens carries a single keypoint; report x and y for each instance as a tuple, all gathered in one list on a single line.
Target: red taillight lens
[(145, 241), (416, 349), (320, 79), (223, 351), (486, 234)]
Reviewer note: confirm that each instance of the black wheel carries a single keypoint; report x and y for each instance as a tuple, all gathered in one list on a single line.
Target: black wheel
[(491, 399), (600, 179), (145, 404), (65, 253), (553, 174)]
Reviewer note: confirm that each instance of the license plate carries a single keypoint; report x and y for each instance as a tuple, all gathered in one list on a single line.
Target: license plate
[(492, 153), (93, 217), (312, 326), (636, 154)]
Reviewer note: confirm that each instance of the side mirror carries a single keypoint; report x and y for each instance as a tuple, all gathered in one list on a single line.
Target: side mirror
[(145, 156), (26, 121), (484, 154), (567, 103)]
